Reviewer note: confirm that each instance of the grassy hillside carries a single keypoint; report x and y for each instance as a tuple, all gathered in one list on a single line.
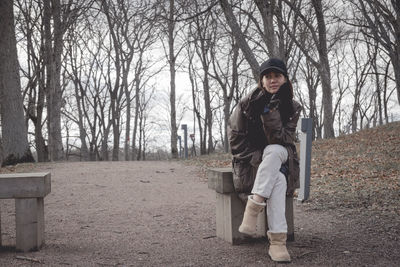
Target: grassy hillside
[(360, 170)]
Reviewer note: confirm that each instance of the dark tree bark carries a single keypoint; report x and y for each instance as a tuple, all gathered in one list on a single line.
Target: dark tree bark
[(54, 49), (172, 69), (14, 133)]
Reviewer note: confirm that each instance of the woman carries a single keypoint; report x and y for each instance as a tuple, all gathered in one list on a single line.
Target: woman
[(261, 134)]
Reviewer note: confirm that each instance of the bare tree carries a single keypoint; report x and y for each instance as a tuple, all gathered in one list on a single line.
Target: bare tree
[(343, 82), (312, 80), (240, 37), (227, 74), (321, 62), (29, 24), (196, 105), (131, 30), (171, 29), (267, 10), (360, 71), (14, 132), (204, 31), (144, 109), (383, 24)]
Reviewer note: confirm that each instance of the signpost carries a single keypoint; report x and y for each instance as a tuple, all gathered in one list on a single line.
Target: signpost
[(184, 128)]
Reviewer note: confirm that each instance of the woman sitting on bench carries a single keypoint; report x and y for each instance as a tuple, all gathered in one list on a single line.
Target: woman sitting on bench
[(262, 134)]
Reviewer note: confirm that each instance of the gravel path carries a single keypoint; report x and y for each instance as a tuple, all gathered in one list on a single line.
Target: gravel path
[(163, 214)]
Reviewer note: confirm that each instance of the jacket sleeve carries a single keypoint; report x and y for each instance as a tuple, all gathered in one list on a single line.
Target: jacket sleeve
[(237, 126), (277, 132)]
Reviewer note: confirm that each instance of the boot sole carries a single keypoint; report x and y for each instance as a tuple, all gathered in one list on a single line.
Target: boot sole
[(279, 261), (245, 231)]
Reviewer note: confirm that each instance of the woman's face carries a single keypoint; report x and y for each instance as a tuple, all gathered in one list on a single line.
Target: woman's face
[(272, 81)]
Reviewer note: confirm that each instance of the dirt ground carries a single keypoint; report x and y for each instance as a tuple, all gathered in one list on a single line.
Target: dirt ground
[(163, 214)]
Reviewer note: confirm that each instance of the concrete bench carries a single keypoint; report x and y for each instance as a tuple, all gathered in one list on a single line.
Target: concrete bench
[(28, 190), (230, 209)]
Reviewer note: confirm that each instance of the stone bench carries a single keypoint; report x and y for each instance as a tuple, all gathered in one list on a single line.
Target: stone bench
[(230, 209), (28, 190)]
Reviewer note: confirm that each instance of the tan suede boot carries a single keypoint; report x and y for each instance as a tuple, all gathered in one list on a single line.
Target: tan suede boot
[(277, 247), (251, 212)]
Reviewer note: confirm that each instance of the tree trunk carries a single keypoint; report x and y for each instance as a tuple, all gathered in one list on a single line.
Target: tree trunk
[(196, 111), (115, 113), (14, 133), (324, 70), (207, 104), (104, 145), (385, 107), (82, 130), (174, 130), (312, 83), (139, 154), (377, 84), (53, 71), (135, 126), (128, 125), (395, 57), (80, 103), (41, 147)]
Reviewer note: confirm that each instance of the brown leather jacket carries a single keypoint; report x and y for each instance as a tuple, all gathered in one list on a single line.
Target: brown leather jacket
[(250, 133)]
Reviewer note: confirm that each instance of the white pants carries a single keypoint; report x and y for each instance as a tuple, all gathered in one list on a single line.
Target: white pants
[(270, 183)]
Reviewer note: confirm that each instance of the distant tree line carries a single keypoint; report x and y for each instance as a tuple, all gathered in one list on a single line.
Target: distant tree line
[(83, 77)]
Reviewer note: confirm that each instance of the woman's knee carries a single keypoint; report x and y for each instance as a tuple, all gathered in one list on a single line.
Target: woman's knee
[(276, 150)]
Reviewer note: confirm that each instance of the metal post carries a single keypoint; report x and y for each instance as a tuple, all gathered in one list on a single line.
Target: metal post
[(184, 128), (305, 157), (180, 146), (0, 228)]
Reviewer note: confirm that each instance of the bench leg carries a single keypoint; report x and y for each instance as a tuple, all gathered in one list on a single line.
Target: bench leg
[(29, 215), (289, 218), (229, 213)]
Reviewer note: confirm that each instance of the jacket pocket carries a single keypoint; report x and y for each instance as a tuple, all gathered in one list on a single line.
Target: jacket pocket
[(296, 172), (244, 175)]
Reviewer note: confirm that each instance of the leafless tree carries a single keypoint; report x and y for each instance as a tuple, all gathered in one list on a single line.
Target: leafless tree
[(360, 71), (57, 18), (203, 30), (316, 28), (29, 25), (383, 24), (226, 60), (196, 105), (343, 83), (240, 37), (312, 80)]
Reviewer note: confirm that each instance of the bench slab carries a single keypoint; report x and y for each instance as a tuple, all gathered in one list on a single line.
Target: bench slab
[(220, 179), (24, 185)]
